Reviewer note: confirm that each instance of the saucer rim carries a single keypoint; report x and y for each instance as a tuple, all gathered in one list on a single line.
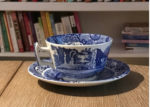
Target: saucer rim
[(82, 83)]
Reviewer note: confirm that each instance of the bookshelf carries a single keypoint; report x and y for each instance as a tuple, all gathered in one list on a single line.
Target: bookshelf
[(99, 17)]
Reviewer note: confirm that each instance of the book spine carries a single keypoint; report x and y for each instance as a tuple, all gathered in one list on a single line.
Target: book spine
[(1, 39), (28, 31), (40, 35), (134, 41), (23, 32), (32, 26), (17, 31), (136, 29), (66, 24), (73, 24), (59, 28), (12, 31), (136, 37), (44, 23), (135, 33), (136, 45), (4, 32), (52, 24), (8, 33), (77, 22), (49, 24)]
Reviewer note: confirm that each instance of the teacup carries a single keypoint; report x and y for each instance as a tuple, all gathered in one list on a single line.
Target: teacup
[(76, 54)]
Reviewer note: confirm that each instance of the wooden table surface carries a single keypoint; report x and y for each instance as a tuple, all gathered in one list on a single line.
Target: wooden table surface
[(26, 91)]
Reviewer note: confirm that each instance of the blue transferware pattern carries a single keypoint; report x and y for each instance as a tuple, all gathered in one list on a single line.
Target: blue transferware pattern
[(113, 70), (82, 39), (87, 57)]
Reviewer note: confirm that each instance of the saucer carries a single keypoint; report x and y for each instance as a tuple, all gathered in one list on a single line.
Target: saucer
[(114, 70)]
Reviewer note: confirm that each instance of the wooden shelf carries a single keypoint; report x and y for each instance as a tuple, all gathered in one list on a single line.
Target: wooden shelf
[(53, 6)]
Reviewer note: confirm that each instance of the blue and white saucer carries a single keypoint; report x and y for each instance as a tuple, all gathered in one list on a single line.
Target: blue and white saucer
[(114, 70)]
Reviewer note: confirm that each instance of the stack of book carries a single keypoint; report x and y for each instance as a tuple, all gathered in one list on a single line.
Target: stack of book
[(135, 36), (20, 30)]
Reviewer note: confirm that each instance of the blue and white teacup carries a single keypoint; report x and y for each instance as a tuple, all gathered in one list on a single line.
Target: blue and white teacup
[(77, 54)]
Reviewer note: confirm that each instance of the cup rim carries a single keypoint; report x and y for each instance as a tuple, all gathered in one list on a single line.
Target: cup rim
[(62, 45)]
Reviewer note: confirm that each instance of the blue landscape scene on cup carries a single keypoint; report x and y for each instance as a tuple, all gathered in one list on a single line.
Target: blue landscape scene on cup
[(86, 59)]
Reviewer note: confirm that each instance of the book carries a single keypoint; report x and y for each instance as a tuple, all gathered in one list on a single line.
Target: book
[(8, 33), (4, 33), (40, 35), (23, 32), (77, 22), (59, 28), (134, 41), (73, 24), (12, 31), (134, 33), (135, 37), (17, 31), (28, 31), (31, 21), (1, 39), (66, 24), (49, 25), (52, 23), (136, 44), (44, 23)]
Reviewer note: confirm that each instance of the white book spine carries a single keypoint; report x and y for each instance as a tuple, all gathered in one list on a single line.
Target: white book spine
[(137, 29), (63, 23), (66, 24), (40, 35), (72, 21), (59, 28), (1, 40), (12, 32)]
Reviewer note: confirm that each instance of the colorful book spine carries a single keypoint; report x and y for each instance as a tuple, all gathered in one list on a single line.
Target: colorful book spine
[(23, 32), (4, 33), (1, 39), (28, 31), (44, 23), (49, 24), (17, 31), (12, 32), (52, 23), (77, 22), (40, 35), (8, 33), (134, 41)]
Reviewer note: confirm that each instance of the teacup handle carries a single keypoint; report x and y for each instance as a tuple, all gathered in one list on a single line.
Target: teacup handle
[(37, 48)]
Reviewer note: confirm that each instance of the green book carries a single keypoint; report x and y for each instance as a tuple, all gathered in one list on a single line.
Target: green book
[(4, 33)]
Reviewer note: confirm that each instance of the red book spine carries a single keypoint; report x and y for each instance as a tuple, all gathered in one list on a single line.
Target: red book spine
[(28, 31), (121, 0), (34, 0), (23, 32), (17, 31), (77, 22)]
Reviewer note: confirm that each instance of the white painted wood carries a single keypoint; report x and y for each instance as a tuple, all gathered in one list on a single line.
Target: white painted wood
[(79, 6)]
